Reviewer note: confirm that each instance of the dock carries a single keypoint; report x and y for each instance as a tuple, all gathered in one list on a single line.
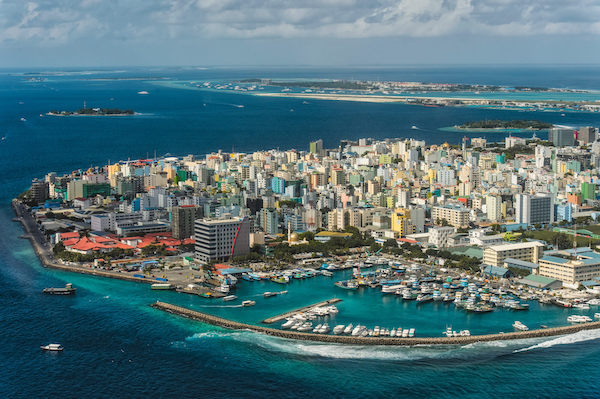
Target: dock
[(345, 339), (283, 316)]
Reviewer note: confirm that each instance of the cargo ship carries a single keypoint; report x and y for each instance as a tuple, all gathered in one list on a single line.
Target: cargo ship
[(67, 290)]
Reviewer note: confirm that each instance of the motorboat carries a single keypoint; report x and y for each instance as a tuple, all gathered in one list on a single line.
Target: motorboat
[(594, 302), (269, 294), (229, 298), (348, 329), (317, 328), (411, 333), (582, 306), (337, 330), (289, 323), (405, 333), (578, 319), (517, 325), (52, 347), (305, 327), (248, 303)]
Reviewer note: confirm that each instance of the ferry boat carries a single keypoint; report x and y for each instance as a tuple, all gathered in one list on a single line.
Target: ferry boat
[(162, 286), (52, 348), (248, 303), (517, 325), (230, 298), (67, 290)]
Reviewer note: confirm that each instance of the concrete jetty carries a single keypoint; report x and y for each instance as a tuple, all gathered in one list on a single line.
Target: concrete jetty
[(344, 339), (280, 317)]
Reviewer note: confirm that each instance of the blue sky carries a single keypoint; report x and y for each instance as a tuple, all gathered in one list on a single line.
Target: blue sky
[(297, 32)]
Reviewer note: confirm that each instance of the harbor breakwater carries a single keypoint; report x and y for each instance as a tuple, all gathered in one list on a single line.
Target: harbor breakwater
[(344, 339)]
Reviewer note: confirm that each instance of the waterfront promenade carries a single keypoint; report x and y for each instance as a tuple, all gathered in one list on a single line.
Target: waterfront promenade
[(343, 339), (44, 253)]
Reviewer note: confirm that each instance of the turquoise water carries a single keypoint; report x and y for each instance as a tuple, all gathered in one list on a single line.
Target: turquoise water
[(117, 346)]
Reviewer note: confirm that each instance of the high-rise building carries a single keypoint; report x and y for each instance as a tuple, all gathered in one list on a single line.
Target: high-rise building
[(587, 134), (39, 190), (534, 209), (493, 205), (221, 239), (561, 137), (316, 147), (183, 218), (588, 191)]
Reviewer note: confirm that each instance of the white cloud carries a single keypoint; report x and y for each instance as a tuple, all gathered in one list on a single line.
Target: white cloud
[(62, 21)]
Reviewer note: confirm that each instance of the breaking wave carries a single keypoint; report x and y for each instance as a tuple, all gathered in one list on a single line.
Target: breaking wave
[(580, 336)]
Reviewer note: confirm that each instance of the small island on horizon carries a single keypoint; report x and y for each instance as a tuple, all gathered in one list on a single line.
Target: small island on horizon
[(502, 124), (93, 112)]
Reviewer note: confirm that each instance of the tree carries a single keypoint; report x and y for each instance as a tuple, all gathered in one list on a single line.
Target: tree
[(562, 241), (390, 243)]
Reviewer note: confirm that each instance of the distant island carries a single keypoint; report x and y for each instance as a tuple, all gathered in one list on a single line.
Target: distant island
[(499, 124), (93, 112)]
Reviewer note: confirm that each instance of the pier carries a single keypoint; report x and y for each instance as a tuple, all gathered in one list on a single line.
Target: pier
[(283, 316), (344, 339)]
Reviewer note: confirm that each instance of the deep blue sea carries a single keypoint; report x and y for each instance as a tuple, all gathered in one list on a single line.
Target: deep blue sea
[(117, 346)]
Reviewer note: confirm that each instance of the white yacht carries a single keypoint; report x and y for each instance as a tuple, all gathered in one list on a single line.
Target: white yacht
[(411, 333), (317, 328), (289, 323), (405, 333), (337, 330), (305, 327), (52, 347), (594, 302), (348, 329), (578, 319), (229, 298), (324, 329), (520, 326)]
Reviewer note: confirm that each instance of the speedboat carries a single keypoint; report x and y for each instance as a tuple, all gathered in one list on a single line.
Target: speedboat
[(520, 326), (230, 298), (269, 294), (248, 303), (411, 333), (52, 347), (317, 328)]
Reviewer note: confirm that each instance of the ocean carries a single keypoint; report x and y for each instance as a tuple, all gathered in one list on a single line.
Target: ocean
[(117, 346)]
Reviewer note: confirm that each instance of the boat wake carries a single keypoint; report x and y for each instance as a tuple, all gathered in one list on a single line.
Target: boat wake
[(580, 336), (219, 306), (376, 352)]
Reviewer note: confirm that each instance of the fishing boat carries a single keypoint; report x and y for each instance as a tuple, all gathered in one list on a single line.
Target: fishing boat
[(421, 298), (248, 303), (347, 284), (517, 325), (519, 306), (67, 290), (52, 348), (229, 298), (281, 280)]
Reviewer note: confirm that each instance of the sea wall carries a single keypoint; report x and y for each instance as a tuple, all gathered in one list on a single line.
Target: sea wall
[(344, 339), (35, 237)]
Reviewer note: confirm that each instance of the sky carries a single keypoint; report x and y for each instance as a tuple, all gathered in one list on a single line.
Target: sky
[(297, 32)]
